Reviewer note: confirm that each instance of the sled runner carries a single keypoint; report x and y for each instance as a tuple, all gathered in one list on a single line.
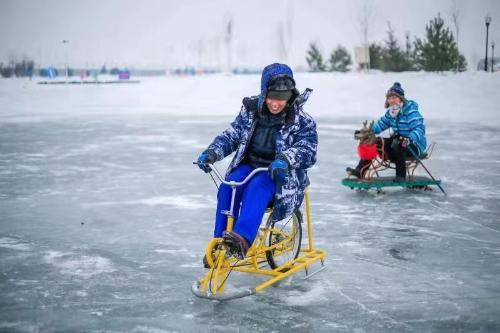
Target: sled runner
[(416, 182), (276, 254)]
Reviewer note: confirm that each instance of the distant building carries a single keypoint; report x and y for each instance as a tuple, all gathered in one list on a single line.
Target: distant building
[(124, 75)]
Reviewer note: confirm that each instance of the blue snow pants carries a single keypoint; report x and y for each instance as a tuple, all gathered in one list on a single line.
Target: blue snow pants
[(250, 202)]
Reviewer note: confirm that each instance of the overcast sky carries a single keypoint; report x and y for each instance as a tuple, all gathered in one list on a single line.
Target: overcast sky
[(163, 34)]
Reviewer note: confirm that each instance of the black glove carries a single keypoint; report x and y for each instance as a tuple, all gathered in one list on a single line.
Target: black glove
[(395, 145), (205, 158), (405, 142)]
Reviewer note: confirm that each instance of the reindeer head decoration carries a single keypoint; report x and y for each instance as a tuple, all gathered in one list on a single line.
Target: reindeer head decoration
[(365, 135)]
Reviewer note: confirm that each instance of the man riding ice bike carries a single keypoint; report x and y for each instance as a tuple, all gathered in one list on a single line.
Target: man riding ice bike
[(271, 131)]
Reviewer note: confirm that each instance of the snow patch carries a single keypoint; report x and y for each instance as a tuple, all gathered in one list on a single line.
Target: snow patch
[(314, 296), (476, 208), (82, 266), (81, 293), (18, 327), (14, 244), (183, 250), (25, 282), (191, 265), (179, 201), (29, 168), (147, 329), (153, 149)]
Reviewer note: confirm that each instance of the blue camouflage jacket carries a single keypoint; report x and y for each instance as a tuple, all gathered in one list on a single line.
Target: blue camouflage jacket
[(409, 123), (297, 142)]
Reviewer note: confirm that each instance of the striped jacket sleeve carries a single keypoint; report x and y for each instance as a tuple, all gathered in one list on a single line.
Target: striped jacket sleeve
[(416, 124), (227, 142), (382, 124)]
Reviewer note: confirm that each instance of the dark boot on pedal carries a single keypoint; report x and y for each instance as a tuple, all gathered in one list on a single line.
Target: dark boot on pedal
[(237, 244), (360, 169), (353, 172)]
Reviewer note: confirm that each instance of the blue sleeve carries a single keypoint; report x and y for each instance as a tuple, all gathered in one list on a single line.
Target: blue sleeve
[(382, 124), (227, 142), (416, 123), (302, 153)]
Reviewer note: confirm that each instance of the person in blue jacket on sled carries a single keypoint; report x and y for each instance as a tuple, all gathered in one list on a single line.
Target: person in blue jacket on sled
[(404, 118), (272, 131)]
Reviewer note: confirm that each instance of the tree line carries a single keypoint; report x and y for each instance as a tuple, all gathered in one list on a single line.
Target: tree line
[(437, 51), (23, 68)]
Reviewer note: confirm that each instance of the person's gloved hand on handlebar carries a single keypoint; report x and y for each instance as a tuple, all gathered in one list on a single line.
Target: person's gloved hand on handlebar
[(205, 158), (278, 170)]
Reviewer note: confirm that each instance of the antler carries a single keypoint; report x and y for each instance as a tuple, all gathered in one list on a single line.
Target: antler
[(365, 135)]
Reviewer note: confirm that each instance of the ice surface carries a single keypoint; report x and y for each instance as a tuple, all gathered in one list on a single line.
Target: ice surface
[(104, 219)]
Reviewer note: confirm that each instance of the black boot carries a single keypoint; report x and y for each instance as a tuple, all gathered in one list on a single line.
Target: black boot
[(400, 170), (353, 172), (360, 169), (237, 244), (397, 156)]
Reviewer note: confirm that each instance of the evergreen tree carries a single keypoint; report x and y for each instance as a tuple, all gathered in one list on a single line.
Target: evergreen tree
[(376, 56), (21, 68), (438, 52), (394, 58), (340, 60), (315, 59)]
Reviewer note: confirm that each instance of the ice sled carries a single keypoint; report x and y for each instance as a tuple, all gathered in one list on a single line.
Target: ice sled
[(371, 148), (277, 253)]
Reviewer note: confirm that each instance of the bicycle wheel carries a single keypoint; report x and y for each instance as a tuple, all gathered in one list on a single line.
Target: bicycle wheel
[(285, 237)]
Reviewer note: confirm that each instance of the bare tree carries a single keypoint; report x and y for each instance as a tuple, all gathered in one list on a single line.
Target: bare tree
[(364, 17), (285, 37), (228, 36), (282, 45), (455, 16), (200, 48)]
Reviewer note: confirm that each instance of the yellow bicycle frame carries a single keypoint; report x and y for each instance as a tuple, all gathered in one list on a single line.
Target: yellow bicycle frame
[(255, 261)]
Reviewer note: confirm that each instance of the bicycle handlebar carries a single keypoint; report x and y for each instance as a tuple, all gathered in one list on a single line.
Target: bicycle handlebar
[(233, 183)]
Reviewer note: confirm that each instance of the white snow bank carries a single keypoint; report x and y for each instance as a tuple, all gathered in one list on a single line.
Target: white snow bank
[(468, 96)]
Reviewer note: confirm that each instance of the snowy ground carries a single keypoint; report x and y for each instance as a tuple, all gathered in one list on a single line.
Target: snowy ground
[(103, 219)]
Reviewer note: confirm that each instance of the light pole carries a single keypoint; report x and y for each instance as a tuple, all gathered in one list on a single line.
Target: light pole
[(492, 56), (227, 39), (64, 41), (487, 20)]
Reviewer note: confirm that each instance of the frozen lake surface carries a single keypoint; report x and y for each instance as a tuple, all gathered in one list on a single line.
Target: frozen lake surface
[(104, 220)]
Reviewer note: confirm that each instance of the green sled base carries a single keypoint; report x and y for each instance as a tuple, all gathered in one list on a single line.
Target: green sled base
[(380, 182)]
